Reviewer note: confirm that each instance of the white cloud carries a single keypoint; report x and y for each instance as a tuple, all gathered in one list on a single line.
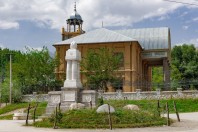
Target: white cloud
[(195, 19), (163, 18), (183, 14), (53, 13), (194, 41), (192, 20), (8, 24), (185, 27), (119, 13)]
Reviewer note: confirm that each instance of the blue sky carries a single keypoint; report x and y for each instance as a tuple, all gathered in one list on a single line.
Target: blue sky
[(37, 23)]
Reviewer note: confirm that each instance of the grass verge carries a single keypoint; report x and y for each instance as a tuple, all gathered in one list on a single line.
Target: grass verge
[(88, 118), (147, 116), (7, 117), (183, 105), (40, 109), (12, 107)]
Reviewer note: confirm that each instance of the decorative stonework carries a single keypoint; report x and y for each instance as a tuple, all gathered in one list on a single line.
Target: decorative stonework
[(55, 99), (69, 96), (86, 98)]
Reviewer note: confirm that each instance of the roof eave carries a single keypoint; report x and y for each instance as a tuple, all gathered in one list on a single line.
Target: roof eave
[(97, 43)]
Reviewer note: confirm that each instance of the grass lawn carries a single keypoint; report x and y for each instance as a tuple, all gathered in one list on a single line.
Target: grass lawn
[(11, 107), (147, 116), (88, 118), (183, 105)]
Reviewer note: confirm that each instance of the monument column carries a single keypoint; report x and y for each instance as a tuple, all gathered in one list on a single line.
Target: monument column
[(74, 70), (73, 58), (68, 75), (78, 67)]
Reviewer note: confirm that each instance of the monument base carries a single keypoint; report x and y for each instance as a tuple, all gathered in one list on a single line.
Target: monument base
[(68, 96), (72, 84)]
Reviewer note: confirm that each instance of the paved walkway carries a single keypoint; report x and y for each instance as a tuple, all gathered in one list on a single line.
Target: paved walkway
[(189, 123)]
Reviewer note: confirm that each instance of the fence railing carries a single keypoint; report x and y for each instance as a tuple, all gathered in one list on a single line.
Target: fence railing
[(158, 94)]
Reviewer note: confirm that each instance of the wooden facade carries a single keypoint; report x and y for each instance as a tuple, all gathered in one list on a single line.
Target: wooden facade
[(130, 72)]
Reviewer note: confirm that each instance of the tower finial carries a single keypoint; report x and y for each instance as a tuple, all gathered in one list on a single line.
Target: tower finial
[(74, 6)]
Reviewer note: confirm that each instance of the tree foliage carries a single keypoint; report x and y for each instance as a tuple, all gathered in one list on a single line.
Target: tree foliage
[(32, 71), (99, 67), (157, 77), (184, 64)]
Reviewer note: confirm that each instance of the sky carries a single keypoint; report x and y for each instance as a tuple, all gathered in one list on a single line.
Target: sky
[(37, 23)]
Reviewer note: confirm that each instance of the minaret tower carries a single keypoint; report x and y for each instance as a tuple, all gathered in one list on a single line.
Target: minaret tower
[(74, 25)]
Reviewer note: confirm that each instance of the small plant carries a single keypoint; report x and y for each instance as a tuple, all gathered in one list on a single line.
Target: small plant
[(100, 101), (58, 116)]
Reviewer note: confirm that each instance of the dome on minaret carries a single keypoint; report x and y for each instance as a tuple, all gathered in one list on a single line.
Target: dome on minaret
[(75, 17)]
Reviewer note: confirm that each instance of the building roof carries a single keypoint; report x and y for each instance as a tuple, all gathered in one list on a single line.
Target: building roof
[(149, 38), (101, 35)]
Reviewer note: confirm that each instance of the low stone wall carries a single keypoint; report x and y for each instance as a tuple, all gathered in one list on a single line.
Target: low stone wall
[(35, 98), (119, 95), (138, 95)]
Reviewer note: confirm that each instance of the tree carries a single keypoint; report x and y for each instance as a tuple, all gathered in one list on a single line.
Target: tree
[(33, 71), (99, 67), (157, 77), (184, 65), (4, 77)]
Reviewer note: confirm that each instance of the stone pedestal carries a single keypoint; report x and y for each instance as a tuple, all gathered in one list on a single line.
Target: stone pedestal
[(69, 96), (89, 97), (53, 101)]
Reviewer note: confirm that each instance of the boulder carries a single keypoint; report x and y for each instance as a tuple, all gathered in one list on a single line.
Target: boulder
[(104, 108), (131, 107), (76, 106)]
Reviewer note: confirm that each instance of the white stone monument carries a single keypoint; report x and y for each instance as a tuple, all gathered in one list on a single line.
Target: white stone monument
[(72, 92), (73, 58)]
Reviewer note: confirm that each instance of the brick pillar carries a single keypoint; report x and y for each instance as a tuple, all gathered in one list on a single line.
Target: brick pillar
[(134, 68), (127, 67)]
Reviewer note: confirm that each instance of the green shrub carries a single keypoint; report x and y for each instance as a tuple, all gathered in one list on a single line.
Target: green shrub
[(89, 118), (58, 117), (100, 101)]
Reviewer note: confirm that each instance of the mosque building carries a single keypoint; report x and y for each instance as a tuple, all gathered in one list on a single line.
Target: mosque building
[(141, 49)]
